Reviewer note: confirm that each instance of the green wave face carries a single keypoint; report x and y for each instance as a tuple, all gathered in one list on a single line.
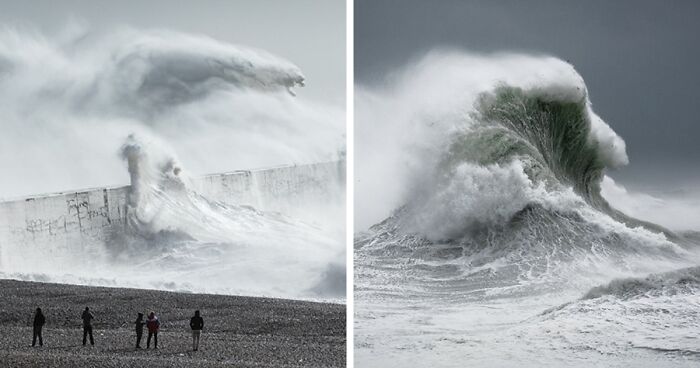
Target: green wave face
[(552, 138)]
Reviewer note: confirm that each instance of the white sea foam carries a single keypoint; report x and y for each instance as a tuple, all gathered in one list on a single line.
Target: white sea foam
[(491, 245), (154, 108), (69, 100), (405, 125)]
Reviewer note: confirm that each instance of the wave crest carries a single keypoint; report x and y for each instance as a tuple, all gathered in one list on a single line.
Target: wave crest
[(682, 281)]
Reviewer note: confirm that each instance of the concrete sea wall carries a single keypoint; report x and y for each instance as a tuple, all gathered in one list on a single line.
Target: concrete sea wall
[(80, 217)]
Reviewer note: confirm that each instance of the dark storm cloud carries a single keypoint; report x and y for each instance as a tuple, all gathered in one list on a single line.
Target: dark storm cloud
[(638, 58)]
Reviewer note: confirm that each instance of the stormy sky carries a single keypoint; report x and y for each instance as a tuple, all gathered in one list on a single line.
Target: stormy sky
[(309, 33), (639, 60)]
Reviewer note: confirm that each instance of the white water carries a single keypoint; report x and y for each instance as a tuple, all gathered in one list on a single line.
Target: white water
[(404, 126), (677, 212), (69, 100), (153, 108), (450, 281)]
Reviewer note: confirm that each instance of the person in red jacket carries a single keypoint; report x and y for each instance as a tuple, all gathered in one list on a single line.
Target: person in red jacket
[(153, 325)]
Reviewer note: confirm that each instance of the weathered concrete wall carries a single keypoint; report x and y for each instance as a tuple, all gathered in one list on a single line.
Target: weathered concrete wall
[(76, 218), (283, 189), (62, 218)]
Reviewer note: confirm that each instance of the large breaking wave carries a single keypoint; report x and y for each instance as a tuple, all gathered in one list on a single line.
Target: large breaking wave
[(204, 245), (494, 142), (79, 105), (70, 99), (496, 164)]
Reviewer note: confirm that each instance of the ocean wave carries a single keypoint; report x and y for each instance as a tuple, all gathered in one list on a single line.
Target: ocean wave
[(496, 142), (683, 281), (69, 99)]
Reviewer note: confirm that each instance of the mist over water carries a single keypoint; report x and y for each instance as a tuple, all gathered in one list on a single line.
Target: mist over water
[(674, 210), (156, 108), (486, 234), (69, 100)]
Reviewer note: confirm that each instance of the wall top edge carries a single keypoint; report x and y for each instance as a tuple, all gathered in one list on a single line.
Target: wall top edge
[(118, 187)]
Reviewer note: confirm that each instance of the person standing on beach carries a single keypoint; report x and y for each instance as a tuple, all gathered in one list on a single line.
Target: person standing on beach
[(87, 325), (39, 321), (196, 324), (153, 325), (139, 329)]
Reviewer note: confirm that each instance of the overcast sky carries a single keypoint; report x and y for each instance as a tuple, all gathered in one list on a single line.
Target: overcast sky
[(639, 60), (309, 33)]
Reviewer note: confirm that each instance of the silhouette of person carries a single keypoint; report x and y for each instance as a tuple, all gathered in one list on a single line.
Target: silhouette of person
[(153, 325), (39, 321), (87, 325), (139, 329), (196, 324)]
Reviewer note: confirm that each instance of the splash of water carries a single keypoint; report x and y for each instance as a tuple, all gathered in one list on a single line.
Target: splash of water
[(69, 100)]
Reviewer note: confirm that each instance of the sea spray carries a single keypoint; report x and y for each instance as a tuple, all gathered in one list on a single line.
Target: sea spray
[(95, 109), (485, 233), (161, 232), (69, 100), (178, 228)]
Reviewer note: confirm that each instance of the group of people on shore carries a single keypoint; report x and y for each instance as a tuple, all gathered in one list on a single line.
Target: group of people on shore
[(152, 323)]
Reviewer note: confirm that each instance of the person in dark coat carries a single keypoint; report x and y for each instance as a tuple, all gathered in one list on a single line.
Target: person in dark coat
[(139, 329), (153, 325), (87, 325), (39, 321), (196, 324)]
